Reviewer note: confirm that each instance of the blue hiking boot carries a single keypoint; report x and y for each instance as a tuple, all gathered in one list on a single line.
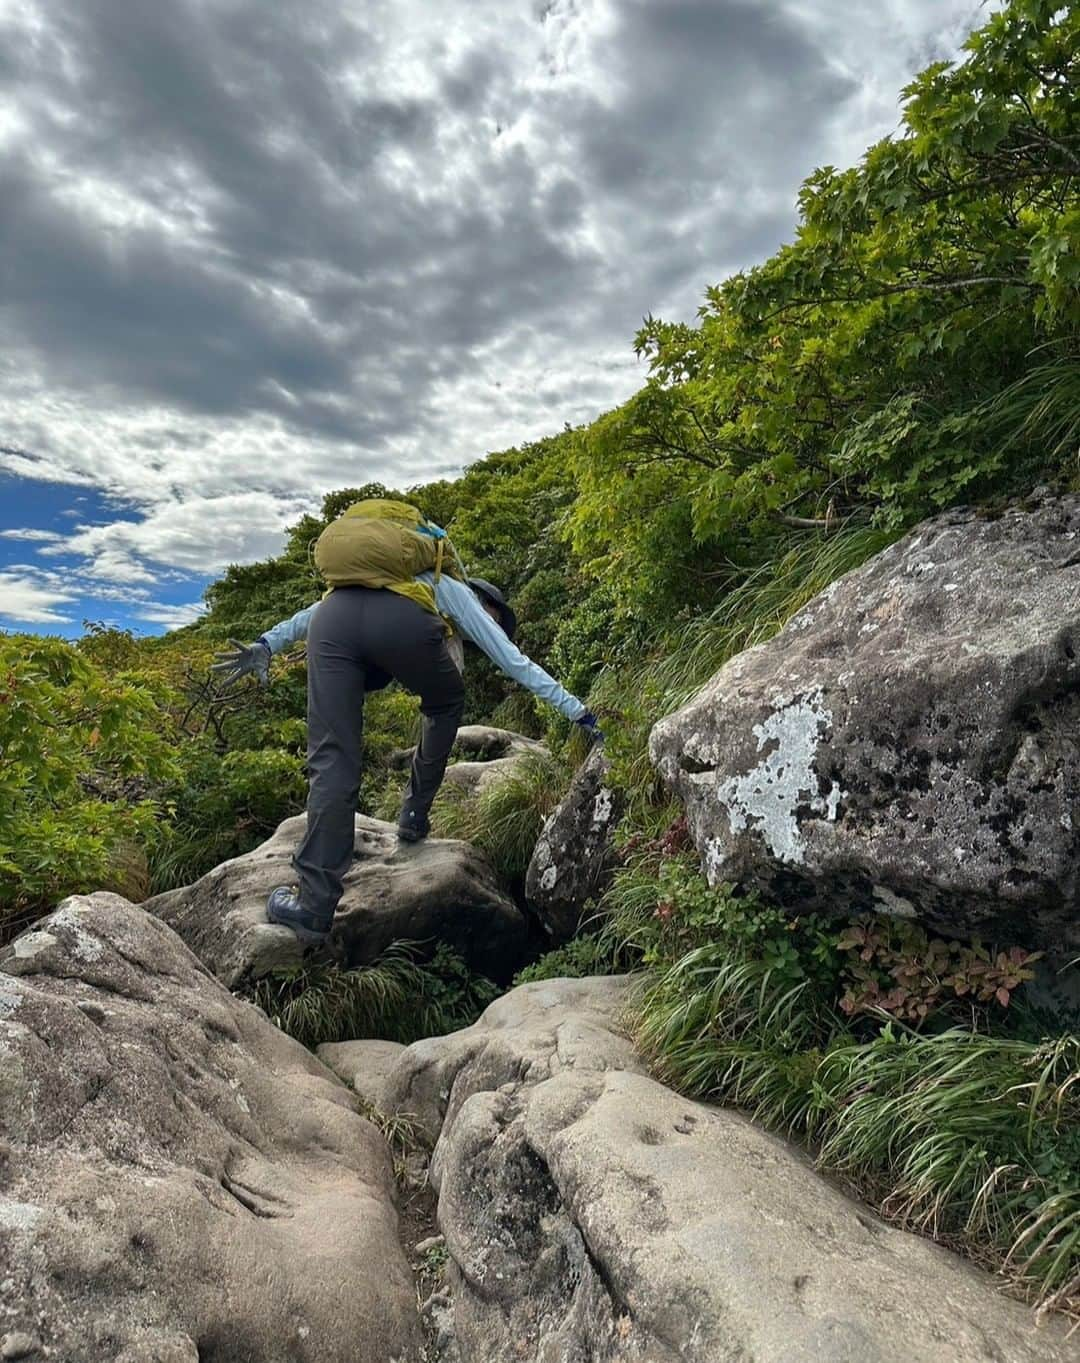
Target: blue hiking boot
[(284, 907), (411, 826)]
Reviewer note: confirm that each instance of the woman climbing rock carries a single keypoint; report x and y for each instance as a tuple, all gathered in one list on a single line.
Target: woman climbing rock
[(398, 608)]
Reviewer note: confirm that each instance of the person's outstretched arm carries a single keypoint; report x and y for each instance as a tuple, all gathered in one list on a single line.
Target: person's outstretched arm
[(244, 660), (459, 603), (287, 632)]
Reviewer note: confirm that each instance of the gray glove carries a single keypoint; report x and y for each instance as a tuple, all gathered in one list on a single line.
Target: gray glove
[(243, 660)]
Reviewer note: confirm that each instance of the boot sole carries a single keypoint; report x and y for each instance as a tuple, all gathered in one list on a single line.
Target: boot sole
[(305, 935)]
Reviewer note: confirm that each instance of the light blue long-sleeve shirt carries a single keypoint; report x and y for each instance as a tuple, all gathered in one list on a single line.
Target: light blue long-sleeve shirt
[(458, 602)]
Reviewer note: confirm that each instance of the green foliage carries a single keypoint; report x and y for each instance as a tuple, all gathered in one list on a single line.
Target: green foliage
[(960, 1132), (399, 997), (853, 376), (897, 968), (222, 805), (583, 639), (78, 747), (667, 910), (589, 954)]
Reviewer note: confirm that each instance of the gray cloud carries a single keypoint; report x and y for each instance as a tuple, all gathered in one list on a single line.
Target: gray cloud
[(253, 250)]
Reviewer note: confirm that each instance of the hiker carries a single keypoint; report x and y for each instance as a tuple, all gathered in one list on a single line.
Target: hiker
[(397, 590)]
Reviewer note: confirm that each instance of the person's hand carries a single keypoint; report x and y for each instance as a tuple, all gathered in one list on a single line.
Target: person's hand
[(243, 660), (591, 725)]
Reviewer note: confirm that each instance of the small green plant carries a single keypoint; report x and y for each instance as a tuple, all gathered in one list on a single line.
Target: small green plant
[(403, 1134), (435, 1260), (897, 968), (583, 956)]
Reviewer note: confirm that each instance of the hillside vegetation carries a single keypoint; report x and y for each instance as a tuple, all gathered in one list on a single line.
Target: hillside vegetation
[(915, 347)]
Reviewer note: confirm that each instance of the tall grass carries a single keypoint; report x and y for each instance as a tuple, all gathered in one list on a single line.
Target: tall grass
[(968, 1137), (399, 997), (978, 1136), (504, 819), (719, 1023), (1042, 410)]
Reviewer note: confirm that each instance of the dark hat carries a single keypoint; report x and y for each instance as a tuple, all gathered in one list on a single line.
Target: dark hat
[(491, 593)]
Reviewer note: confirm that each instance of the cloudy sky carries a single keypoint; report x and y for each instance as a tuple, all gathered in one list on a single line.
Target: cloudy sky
[(254, 250)]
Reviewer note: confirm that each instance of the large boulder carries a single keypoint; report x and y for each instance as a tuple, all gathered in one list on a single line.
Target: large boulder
[(575, 855), (436, 890), (592, 1214), (181, 1182), (910, 741)]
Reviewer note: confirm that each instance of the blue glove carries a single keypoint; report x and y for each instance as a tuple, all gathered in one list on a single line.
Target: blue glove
[(591, 725), (243, 660)]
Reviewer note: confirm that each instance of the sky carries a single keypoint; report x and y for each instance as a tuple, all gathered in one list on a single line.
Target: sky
[(254, 252)]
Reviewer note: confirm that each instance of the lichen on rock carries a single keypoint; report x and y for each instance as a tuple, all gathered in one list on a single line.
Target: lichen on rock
[(910, 741)]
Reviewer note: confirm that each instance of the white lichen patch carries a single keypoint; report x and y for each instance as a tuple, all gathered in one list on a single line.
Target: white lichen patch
[(714, 861), (768, 797), (19, 1215), (32, 943), (85, 946), (548, 879), (602, 808)]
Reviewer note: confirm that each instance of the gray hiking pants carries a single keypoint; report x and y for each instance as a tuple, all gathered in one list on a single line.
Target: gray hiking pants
[(358, 640)]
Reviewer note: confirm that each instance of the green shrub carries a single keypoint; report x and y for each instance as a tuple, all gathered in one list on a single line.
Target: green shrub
[(583, 956), (80, 754), (223, 805)]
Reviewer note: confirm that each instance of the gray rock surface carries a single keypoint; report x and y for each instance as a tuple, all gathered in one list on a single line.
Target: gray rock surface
[(364, 1065), (575, 855), (436, 890), (181, 1182), (592, 1215), (486, 755), (910, 741), (527, 1035)]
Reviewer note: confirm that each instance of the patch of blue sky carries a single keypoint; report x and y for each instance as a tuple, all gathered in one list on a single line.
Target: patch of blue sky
[(44, 590)]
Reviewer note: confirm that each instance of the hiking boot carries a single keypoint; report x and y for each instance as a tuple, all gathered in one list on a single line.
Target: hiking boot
[(284, 907), (411, 826)]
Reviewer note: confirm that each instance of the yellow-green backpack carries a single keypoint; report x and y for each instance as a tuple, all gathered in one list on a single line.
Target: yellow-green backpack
[(383, 543)]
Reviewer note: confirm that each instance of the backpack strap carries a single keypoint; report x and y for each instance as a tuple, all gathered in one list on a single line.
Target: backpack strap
[(439, 544)]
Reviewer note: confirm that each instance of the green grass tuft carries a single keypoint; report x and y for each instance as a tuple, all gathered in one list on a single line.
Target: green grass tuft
[(505, 819), (399, 997)]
